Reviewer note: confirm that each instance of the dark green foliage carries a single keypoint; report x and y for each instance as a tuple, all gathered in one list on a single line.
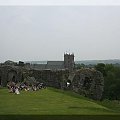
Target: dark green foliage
[(79, 66), (101, 67), (111, 75)]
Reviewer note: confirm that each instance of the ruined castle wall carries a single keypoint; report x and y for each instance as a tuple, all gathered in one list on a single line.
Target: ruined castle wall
[(49, 77), (10, 73), (89, 83)]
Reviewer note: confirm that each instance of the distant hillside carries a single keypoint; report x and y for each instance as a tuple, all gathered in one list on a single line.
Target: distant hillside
[(93, 62)]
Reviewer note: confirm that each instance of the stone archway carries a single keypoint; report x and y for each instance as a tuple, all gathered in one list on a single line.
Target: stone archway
[(12, 76), (14, 79), (87, 82), (68, 84)]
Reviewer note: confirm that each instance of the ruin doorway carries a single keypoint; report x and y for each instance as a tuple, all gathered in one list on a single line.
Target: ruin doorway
[(87, 83), (68, 84), (12, 76), (13, 79)]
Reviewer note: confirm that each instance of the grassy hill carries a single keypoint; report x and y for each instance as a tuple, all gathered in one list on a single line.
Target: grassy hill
[(52, 101)]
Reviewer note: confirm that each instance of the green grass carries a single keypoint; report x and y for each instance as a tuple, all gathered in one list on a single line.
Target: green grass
[(52, 101)]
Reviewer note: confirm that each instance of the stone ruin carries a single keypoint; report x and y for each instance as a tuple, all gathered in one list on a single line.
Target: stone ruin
[(87, 82), (10, 73)]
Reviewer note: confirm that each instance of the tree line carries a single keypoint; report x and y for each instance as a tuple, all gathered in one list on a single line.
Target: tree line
[(111, 75)]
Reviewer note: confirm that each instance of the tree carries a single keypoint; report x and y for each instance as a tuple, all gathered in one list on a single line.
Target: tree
[(111, 75), (79, 66), (112, 82), (101, 67)]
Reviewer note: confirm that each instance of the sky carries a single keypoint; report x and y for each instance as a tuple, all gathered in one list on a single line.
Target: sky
[(37, 33), (60, 2)]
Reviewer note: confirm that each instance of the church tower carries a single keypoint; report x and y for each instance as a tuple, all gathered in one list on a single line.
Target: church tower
[(69, 61)]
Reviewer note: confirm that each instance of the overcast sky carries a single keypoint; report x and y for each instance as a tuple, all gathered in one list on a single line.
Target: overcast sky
[(46, 32), (60, 2)]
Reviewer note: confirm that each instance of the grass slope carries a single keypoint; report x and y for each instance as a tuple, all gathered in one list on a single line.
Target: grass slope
[(51, 101)]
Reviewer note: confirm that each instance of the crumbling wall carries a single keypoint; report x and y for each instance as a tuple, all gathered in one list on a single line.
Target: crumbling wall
[(10, 73), (49, 77), (88, 82)]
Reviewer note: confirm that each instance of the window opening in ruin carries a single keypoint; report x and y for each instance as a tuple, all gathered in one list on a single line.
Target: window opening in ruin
[(13, 79), (22, 78), (87, 83), (68, 83)]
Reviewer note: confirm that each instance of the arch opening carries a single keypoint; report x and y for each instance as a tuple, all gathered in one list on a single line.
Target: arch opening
[(87, 83), (68, 83), (12, 76), (14, 79)]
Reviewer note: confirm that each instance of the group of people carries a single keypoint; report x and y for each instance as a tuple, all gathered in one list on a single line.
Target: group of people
[(16, 87), (34, 87), (13, 87)]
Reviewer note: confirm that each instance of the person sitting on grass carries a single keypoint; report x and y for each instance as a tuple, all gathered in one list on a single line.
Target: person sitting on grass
[(17, 91), (11, 86)]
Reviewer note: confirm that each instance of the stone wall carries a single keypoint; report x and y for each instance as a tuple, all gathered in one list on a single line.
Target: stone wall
[(49, 77), (87, 82), (10, 73)]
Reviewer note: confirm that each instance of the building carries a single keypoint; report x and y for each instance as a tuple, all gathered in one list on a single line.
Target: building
[(68, 64), (86, 82), (69, 61)]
